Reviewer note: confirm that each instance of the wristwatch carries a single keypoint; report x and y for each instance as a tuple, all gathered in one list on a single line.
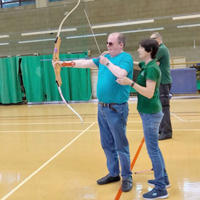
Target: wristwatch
[(132, 84), (107, 64)]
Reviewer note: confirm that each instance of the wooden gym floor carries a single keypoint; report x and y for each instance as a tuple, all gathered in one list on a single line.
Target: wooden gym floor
[(47, 154)]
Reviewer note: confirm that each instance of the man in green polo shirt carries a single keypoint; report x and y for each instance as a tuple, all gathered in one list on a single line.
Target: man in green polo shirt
[(163, 58)]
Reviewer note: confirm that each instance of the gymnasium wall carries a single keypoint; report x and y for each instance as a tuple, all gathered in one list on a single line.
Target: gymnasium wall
[(180, 41)]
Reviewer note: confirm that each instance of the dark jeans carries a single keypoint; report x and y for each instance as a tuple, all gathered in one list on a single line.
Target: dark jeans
[(165, 125)]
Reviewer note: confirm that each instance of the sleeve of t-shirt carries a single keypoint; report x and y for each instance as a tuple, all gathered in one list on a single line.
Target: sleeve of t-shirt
[(152, 74), (96, 61), (141, 64), (127, 63)]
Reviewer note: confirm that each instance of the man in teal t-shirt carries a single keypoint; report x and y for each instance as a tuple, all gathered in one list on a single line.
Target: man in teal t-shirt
[(163, 58), (112, 107)]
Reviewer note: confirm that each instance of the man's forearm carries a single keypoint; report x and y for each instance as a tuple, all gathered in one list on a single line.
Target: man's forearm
[(79, 64), (136, 65), (116, 70)]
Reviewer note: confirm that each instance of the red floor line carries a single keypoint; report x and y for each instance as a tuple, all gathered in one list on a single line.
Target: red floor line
[(132, 164)]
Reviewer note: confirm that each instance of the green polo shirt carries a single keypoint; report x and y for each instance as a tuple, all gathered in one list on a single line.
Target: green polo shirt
[(152, 72), (163, 57)]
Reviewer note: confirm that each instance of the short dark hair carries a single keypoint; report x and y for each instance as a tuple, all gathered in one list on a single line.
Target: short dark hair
[(150, 45)]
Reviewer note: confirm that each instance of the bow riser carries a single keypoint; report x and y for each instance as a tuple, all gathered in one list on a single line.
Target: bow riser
[(57, 68)]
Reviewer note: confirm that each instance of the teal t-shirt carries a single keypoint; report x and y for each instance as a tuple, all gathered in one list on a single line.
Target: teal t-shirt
[(152, 72), (108, 90)]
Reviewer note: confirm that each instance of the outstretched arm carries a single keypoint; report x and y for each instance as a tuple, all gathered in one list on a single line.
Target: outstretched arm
[(76, 64), (136, 65)]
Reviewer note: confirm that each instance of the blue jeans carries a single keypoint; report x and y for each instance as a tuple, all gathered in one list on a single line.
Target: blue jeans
[(112, 125), (151, 123)]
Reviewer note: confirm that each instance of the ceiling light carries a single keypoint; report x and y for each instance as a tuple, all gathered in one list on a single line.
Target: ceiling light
[(143, 30), (83, 36), (48, 32), (4, 43), (186, 17), (189, 25), (123, 23), (4, 36), (31, 41)]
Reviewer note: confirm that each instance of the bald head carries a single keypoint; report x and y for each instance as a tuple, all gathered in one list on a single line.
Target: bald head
[(120, 36), (157, 36)]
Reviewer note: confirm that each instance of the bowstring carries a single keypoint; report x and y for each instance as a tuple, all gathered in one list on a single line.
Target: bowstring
[(90, 69)]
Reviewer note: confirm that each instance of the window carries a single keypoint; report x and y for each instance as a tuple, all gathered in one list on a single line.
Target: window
[(14, 3)]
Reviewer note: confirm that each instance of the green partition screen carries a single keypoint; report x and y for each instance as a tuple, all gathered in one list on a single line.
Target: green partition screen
[(39, 80), (10, 90)]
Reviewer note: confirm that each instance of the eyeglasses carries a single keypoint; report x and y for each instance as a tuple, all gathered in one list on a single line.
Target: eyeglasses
[(110, 44)]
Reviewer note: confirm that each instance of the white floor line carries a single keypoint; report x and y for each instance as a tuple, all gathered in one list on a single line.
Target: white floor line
[(35, 172), (129, 130), (183, 120), (39, 123), (47, 131), (40, 131), (193, 129), (51, 123)]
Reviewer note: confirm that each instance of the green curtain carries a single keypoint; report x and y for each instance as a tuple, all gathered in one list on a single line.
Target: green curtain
[(39, 80), (32, 74), (10, 90), (50, 89)]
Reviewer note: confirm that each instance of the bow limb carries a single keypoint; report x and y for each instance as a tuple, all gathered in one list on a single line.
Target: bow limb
[(59, 89), (59, 29), (57, 47), (57, 68)]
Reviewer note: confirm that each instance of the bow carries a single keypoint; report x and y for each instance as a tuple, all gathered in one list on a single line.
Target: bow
[(57, 67)]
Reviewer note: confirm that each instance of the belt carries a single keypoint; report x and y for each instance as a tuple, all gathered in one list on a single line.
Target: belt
[(109, 105)]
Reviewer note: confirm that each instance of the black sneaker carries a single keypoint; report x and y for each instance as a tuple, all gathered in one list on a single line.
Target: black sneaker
[(164, 136), (152, 182), (108, 179), (127, 184), (156, 194)]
